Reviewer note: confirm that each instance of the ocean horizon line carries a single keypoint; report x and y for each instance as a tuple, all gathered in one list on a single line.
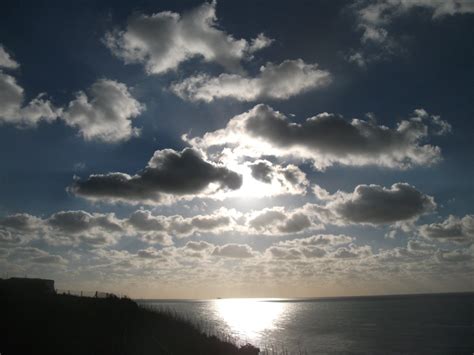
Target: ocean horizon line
[(311, 299)]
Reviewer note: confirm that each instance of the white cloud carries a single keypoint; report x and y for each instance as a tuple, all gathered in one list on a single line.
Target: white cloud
[(164, 40), (6, 61), (106, 114), (282, 81), (374, 18), (325, 139), (14, 111)]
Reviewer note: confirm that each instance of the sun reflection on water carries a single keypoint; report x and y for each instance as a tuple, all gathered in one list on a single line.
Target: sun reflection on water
[(248, 318)]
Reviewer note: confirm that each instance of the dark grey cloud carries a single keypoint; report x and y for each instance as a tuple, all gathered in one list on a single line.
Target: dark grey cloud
[(316, 246), (284, 253), (277, 221), (49, 259), (418, 246), (262, 170), (327, 139), (295, 223), (198, 246), (320, 240), (352, 251), (233, 251), (267, 217), (375, 204), (149, 253), (81, 221), (287, 179), (35, 255), (451, 229), (22, 222), (168, 172), (455, 256), (181, 226), (143, 220)]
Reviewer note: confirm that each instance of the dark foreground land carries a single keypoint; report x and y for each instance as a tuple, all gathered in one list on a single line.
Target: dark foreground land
[(48, 323)]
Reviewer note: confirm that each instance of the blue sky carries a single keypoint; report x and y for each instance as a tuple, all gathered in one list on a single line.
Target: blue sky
[(276, 190)]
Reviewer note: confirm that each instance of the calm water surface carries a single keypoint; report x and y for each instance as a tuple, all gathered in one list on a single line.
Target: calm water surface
[(430, 324)]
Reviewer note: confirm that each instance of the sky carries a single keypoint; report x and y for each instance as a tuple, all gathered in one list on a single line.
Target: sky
[(192, 149)]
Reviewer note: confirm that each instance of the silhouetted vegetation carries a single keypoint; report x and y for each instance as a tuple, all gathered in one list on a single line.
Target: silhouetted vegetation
[(65, 324)]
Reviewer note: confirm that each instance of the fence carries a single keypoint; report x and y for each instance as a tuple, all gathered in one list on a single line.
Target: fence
[(94, 294)]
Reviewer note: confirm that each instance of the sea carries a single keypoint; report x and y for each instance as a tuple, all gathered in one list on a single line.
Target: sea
[(405, 324)]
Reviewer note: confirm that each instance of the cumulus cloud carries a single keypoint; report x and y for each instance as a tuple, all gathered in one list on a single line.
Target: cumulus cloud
[(352, 251), (317, 246), (418, 246), (6, 60), (325, 139), (290, 178), (198, 246), (275, 81), (149, 253), (216, 222), (164, 40), (451, 229), (319, 240), (374, 18), (168, 172), (375, 204), (106, 114), (276, 220), (36, 256), (76, 228), (22, 222), (9, 238), (454, 256), (14, 111), (233, 251)]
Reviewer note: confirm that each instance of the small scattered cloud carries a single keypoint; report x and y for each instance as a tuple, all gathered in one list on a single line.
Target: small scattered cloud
[(104, 113), (233, 251), (453, 228), (6, 60), (14, 111), (275, 81), (375, 17)]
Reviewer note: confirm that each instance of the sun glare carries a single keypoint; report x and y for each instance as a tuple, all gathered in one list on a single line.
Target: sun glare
[(248, 318)]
